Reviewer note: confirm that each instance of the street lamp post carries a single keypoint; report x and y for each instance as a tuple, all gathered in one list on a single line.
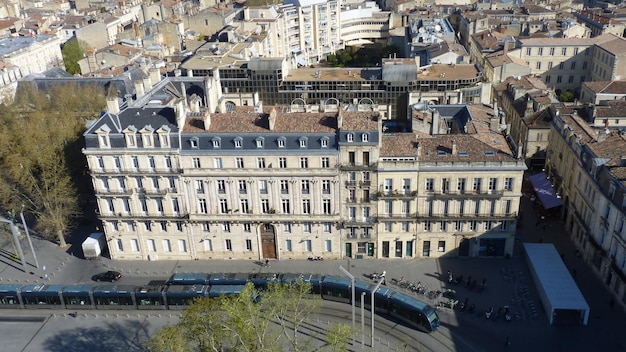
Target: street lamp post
[(372, 307), (30, 242), (347, 273)]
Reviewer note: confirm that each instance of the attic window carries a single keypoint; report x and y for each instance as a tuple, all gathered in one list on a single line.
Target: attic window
[(216, 142), (350, 137), (324, 142), (194, 142), (441, 153), (303, 142), (238, 142), (259, 142), (365, 137), (489, 153), (281, 142), (463, 153)]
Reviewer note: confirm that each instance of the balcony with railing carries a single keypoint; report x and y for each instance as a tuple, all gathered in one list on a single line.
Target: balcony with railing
[(350, 183), (405, 194), (467, 216), (396, 216), (151, 191), (359, 221), (357, 167), (466, 193)]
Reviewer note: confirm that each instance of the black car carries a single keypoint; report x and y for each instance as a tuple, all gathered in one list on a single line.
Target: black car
[(111, 276)]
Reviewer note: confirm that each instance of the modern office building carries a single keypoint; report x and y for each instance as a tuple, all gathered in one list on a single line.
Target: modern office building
[(177, 175)]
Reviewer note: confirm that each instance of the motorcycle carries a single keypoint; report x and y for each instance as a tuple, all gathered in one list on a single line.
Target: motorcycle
[(488, 313), (377, 276), (315, 258)]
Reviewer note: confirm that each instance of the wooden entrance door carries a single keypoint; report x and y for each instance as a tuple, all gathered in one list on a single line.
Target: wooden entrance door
[(268, 241)]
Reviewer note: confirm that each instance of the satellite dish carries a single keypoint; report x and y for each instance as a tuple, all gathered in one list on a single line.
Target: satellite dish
[(421, 30), (437, 28)]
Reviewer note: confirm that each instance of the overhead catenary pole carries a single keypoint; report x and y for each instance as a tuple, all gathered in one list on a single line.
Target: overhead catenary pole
[(372, 307), (363, 321), (347, 273), (30, 242)]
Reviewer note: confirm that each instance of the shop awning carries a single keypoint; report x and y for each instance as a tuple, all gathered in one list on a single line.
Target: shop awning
[(544, 190)]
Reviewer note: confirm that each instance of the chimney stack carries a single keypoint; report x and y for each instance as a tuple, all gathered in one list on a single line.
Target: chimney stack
[(113, 105), (207, 120), (139, 90), (435, 122), (453, 147), (272, 118), (155, 75), (147, 85), (339, 118)]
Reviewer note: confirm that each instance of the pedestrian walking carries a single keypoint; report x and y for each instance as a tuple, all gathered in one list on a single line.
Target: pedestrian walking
[(267, 262)]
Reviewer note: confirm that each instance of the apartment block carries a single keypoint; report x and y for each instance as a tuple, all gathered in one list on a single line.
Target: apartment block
[(176, 178)]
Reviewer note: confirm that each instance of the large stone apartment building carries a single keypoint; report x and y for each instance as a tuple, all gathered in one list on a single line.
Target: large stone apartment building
[(179, 176)]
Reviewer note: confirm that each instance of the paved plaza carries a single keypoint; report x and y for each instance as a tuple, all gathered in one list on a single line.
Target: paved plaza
[(508, 283)]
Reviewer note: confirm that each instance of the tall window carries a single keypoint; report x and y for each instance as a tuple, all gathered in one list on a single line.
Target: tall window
[(307, 246), (286, 206), (304, 163), (477, 184), (493, 183), (326, 206), (223, 206), (430, 184), (284, 186), (306, 206), (326, 186), (168, 162), (249, 245), (229, 245), (305, 186), (167, 247), (263, 186), (218, 163), (265, 206), (325, 162), (221, 186), (200, 186), (328, 246), (243, 204), (243, 187), (282, 163), (151, 162), (288, 246), (196, 163), (239, 163), (508, 183), (202, 209), (460, 185), (260, 163)]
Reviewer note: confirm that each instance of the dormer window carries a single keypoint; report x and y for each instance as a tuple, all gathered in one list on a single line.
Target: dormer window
[(324, 142), (164, 136), (147, 136), (216, 142), (303, 142), (350, 137), (194, 142), (104, 141), (259, 142), (365, 137), (238, 142), (103, 136), (281, 142), (130, 134)]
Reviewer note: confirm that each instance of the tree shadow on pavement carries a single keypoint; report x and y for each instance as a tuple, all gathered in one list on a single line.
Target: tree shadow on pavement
[(126, 336)]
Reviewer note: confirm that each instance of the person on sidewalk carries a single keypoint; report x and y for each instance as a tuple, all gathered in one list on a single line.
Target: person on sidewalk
[(267, 263)]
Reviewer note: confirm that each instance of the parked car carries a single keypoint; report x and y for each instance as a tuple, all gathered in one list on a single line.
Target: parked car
[(111, 276)]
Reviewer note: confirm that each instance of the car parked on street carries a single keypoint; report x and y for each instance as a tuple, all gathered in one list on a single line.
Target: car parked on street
[(110, 276)]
